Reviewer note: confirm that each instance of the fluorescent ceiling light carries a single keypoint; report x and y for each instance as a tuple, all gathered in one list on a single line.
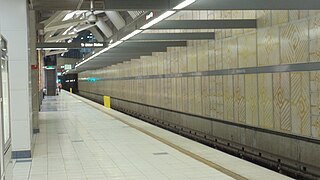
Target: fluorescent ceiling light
[(65, 32), (158, 19), (131, 35), (100, 52), (184, 4), (69, 15)]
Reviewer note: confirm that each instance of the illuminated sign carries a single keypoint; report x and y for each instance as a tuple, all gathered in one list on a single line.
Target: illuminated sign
[(90, 45), (149, 16), (67, 67)]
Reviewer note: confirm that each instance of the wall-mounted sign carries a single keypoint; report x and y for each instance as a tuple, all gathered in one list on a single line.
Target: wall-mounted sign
[(67, 67)]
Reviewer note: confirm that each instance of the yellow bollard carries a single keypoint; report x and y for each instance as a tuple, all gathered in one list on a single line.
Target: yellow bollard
[(106, 100), (71, 90)]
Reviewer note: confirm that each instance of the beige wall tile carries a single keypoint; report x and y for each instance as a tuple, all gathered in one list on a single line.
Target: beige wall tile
[(203, 55), (268, 47), (294, 43), (251, 94), (247, 50), (230, 53), (300, 100), (281, 93), (280, 17), (239, 99), (265, 101), (228, 98)]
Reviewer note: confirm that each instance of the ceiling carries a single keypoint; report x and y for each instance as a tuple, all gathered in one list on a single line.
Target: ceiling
[(63, 20)]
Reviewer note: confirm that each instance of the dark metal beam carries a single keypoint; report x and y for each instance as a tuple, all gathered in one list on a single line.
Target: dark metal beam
[(119, 56), (125, 54), (206, 24), (255, 5), (73, 45), (172, 36), (137, 49), (152, 44), (130, 5), (214, 4)]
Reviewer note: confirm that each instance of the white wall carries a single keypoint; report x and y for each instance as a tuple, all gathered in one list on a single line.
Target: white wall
[(14, 27)]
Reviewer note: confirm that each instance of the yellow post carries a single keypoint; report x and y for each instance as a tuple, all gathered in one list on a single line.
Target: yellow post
[(106, 100), (71, 90)]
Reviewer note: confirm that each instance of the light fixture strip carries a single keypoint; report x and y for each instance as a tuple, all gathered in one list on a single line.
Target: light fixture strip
[(158, 19), (138, 31), (144, 27), (184, 4)]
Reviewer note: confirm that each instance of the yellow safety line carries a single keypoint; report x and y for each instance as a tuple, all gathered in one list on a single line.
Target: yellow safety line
[(178, 148)]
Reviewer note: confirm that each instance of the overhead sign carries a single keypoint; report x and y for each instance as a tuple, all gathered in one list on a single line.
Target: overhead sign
[(93, 45), (67, 67)]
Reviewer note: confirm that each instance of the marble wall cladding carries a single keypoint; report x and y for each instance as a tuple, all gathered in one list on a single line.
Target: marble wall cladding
[(294, 15), (315, 103), (280, 16), (183, 63), (264, 18), (219, 97), (265, 101), (197, 92), (192, 57), (228, 101), (239, 99), (205, 91), (300, 103), (179, 94), (251, 99), (229, 53), (184, 89), (191, 95), (211, 54), (294, 43), (314, 35), (281, 94), (268, 47), (203, 55), (213, 96), (173, 94), (288, 102), (247, 50), (218, 54)]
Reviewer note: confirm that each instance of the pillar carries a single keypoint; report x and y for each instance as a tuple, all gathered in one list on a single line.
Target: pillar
[(14, 26)]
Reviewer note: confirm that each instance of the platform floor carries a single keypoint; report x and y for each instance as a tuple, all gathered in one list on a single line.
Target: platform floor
[(80, 139)]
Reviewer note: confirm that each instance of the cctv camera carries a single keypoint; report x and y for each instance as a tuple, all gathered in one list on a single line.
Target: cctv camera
[(92, 18)]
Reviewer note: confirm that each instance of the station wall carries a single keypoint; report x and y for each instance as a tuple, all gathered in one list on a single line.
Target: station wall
[(267, 78)]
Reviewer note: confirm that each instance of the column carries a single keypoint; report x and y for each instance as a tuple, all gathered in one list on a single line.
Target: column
[(14, 27)]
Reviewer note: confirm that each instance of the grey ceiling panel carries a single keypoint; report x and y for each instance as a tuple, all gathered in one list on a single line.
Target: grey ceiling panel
[(255, 5), (206, 24), (172, 36)]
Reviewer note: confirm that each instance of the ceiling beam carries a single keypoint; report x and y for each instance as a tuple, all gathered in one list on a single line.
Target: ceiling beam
[(206, 24), (63, 24), (255, 5), (172, 36), (125, 54), (152, 44), (72, 45), (214, 5), (116, 19), (130, 5), (62, 37)]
